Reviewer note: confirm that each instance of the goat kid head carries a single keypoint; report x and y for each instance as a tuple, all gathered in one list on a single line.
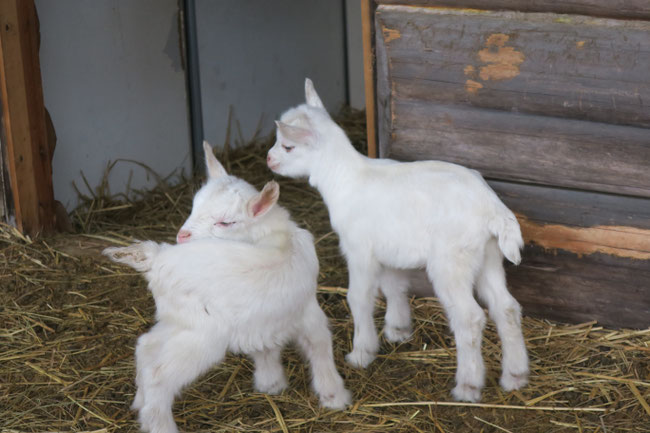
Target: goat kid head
[(298, 136), (227, 207)]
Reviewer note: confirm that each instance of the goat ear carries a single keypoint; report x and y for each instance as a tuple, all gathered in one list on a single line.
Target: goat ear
[(295, 134), (212, 164), (264, 201), (311, 96)]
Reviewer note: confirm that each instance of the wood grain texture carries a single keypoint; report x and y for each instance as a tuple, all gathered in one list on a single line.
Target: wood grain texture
[(564, 286), (580, 222), (518, 147), (619, 241), (28, 156), (636, 9), (565, 66), (579, 209), (382, 105)]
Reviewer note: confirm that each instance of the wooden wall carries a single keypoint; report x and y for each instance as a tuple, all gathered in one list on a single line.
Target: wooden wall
[(553, 110)]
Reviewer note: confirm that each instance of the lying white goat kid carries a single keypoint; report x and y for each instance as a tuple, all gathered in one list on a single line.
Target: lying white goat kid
[(241, 279), (394, 216)]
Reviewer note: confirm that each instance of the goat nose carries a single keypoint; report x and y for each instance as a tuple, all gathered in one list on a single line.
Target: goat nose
[(183, 236), (268, 159)]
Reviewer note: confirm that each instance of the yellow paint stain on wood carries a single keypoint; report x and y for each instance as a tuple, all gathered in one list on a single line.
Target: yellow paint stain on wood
[(502, 61), (469, 70), (390, 34), (620, 241), (497, 40), (580, 44), (472, 86)]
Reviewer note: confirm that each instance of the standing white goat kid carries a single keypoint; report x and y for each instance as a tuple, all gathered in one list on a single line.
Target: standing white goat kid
[(241, 279), (392, 216)]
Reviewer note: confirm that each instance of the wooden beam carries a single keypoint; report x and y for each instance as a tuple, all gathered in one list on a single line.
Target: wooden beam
[(571, 67), (367, 19), (629, 9), (23, 117)]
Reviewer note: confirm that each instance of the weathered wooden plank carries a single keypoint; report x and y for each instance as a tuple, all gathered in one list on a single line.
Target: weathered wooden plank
[(547, 205), (28, 157), (580, 222), (519, 147), (382, 99), (566, 66), (635, 9), (568, 287)]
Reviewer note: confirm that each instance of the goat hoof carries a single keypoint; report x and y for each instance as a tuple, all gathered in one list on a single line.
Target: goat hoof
[(360, 358), (396, 334), (511, 381), (337, 400), (275, 387), (138, 401), (466, 392)]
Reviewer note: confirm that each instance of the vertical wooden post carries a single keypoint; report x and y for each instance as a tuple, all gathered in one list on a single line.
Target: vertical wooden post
[(23, 117), (367, 19)]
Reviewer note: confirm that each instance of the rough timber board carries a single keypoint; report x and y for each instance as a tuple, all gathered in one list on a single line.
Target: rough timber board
[(554, 65), (518, 147), (546, 205), (638, 9), (573, 288)]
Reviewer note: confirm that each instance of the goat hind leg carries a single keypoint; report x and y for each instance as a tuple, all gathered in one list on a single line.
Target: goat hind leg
[(506, 314), (183, 356), (315, 340), (453, 285)]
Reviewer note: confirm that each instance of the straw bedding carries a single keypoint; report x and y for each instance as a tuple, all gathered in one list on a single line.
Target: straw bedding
[(70, 320)]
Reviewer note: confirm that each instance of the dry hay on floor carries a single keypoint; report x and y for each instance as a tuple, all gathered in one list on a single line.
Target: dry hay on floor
[(70, 320)]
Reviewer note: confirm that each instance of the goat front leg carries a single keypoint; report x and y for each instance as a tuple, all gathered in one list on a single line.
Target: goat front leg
[(361, 298), (269, 373), (315, 340), (397, 323)]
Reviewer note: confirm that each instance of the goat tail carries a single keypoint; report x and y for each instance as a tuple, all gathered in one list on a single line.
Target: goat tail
[(140, 255), (506, 228)]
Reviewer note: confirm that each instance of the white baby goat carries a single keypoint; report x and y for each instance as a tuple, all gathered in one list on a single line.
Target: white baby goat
[(243, 279), (393, 216)]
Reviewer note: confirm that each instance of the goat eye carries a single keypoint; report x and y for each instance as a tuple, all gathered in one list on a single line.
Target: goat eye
[(224, 223), (287, 148)]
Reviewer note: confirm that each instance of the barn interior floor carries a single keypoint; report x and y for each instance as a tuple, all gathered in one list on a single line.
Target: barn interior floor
[(70, 319)]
